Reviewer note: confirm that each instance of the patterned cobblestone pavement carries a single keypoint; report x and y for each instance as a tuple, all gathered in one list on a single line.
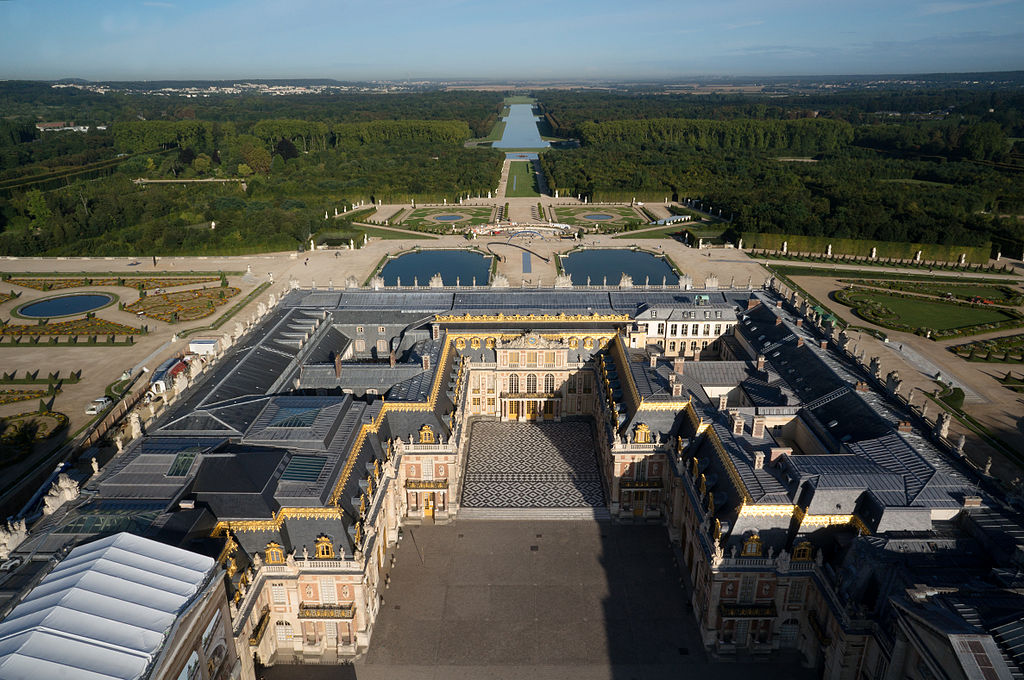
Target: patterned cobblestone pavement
[(532, 465)]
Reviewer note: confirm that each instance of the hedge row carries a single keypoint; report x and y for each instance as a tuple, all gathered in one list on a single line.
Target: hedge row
[(860, 248)]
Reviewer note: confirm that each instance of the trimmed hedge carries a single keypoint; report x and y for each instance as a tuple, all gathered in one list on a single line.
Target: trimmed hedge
[(862, 248)]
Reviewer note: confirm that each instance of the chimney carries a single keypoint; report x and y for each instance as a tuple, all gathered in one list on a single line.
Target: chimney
[(760, 362), (778, 304), (777, 452), (737, 422), (758, 460), (823, 344), (753, 302), (677, 387), (799, 323), (678, 363), (972, 501), (654, 359), (904, 426), (426, 362), (696, 355), (861, 386), (337, 365), (778, 321), (758, 429), (392, 359), (799, 342), (723, 402)]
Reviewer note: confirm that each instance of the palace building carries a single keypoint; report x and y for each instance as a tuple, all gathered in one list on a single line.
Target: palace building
[(811, 504)]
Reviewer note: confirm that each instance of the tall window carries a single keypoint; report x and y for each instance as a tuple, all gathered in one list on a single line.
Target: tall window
[(277, 594), (531, 359), (531, 383), (328, 591), (513, 383), (274, 553), (588, 383), (549, 383), (284, 631), (747, 584)]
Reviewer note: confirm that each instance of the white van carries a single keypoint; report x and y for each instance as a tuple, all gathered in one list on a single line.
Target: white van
[(98, 405)]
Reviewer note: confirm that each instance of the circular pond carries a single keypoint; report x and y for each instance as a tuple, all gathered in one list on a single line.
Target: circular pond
[(449, 218), (600, 217), (419, 266), (609, 265), (65, 305)]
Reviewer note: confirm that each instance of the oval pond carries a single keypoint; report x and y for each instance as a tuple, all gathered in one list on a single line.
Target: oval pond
[(65, 305)]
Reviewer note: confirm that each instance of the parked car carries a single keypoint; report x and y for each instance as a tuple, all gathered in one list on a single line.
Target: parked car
[(98, 405)]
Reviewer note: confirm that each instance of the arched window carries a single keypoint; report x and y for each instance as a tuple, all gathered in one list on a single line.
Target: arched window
[(475, 343), (324, 548), (427, 435), (513, 383), (531, 383), (274, 553), (802, 552), (549, 383)]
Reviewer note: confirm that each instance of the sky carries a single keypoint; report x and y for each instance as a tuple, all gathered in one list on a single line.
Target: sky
[(520, 39)]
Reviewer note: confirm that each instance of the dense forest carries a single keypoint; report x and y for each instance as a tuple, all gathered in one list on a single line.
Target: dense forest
[(942, 166), (64, 193), (938, 165)]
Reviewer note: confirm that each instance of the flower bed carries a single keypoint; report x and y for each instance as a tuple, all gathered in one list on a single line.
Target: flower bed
[(186, 305), (87, 326), (143, 282), (1007, 349), (12, 396), (998, 294)]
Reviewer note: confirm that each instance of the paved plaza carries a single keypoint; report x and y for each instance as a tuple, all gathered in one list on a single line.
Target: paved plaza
[(532, 465), (537, 601)]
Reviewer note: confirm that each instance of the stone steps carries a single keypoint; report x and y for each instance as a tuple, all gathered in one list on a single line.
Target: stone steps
[(589, 514)]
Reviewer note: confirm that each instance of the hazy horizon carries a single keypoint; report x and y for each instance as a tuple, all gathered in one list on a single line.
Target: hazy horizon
[(530, 40)]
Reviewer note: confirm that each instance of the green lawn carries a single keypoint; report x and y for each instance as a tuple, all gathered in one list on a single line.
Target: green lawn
[(917, 312), (993, 293), (575, 215), (521, 180), (796, 270), (423, 218), (671, 231), (518, 99)]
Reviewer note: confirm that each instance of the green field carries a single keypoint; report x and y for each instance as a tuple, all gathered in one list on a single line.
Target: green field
[(997, 294), (518, 99), (796, 270), (423, 218), (522, 182), (920, 313), (574, 215)]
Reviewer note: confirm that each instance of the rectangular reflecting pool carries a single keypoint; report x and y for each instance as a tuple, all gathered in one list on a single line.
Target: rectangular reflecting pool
[(602, 266), (453, 265)]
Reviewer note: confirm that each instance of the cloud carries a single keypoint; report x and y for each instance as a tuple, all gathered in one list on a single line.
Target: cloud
[(950, 7)]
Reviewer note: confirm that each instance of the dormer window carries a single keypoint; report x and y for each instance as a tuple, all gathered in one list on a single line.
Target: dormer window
[(802, 552), (324, 548), (274, 553), (752, 546), (427, 435), (654, 313)]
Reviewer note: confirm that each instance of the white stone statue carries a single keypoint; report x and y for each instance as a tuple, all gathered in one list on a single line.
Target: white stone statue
[(11, 536), (718, 555), (135, 420), (95, 466), (63, 490)]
